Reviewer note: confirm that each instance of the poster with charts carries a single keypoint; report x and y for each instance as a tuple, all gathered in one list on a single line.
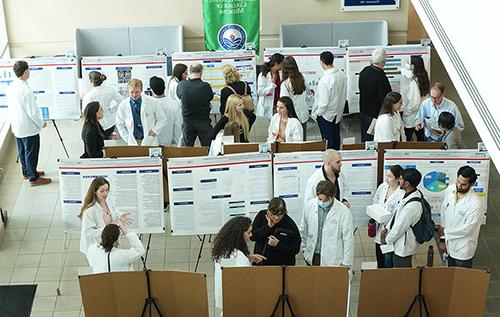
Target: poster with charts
[(205, 192), (397, 57), (213, 62), (120, 69), (291, 171), (54, 83), (439, 171), (136, 187)]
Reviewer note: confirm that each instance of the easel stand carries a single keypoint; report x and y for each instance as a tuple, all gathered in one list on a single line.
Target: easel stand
[(199, 252), (60, 137), (67, 239), (150, 301), (283, 298), (419, 297), (144, 258)]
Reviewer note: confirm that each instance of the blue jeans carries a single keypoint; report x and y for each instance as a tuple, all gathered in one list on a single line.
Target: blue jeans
[(459, 263), (330, 131), (388, 259), (28, 149)]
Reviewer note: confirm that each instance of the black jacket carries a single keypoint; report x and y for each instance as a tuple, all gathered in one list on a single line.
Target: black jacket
[(284, 253), (373, 87), (239, 87), (224, 120), (93, 142), (195, 96)]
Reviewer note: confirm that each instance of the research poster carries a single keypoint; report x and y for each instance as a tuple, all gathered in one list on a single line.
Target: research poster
[(54, 83), (213, 63), (439, 171), (136, 188), (120, 69), (205, 192)]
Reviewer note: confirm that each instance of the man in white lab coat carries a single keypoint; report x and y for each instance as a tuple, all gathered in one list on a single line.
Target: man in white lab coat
[(326, 229), (461, 215), (139, 119), (26, 122)]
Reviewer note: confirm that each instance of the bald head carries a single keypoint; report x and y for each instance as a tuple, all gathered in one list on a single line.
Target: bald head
[(330, 155), (332, 161)]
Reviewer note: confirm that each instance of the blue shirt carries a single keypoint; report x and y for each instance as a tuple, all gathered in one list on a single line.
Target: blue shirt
[(135, 106), (429, 111), (322, 213)]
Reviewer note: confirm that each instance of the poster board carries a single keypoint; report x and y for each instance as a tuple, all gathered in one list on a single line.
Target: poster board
[(213, 62), (119, 69), (54, 83), (363, 5), (205, 192), (135, 188), (439, 170)]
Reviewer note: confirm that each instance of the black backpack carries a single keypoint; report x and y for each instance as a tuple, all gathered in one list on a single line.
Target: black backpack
[(424, 229)]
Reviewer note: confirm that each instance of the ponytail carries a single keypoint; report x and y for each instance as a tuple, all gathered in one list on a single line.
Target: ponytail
[(276, 58)]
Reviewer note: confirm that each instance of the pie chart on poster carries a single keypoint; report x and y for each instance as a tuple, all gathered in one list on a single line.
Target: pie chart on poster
[(435, 181)]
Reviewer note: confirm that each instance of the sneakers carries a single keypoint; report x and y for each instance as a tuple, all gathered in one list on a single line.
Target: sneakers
[(40, 181), (40, 173)]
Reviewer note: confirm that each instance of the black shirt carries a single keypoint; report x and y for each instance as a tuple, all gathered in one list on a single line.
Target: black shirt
[(93, 142), (195, 96), (373, 87), (239, 87), (224, 120), (285, 251)]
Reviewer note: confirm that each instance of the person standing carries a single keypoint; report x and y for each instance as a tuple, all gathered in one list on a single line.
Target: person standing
[(461, 216), (373, 87), (389, 126), (269, 86), (285, 126), (26, 122), (195, 96), (234, 116), (330, 100), (92, 131), (179, 73)]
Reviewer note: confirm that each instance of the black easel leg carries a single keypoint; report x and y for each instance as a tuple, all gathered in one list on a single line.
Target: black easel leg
[(60, 137), (199, 253), (283, 298), (420, 297), (145, 257), (150, 302)]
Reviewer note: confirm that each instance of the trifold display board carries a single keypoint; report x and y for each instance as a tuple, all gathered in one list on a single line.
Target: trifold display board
[(136, 187), (291, 171), (439, 171), (213, 62), (119, 69), (54, 83), (205, 192)]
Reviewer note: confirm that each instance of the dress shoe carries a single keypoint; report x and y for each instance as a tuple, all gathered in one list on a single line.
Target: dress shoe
[(40, 173), (40, 181)]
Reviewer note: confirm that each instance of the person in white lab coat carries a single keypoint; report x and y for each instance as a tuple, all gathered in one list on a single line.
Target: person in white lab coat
[(230, 249), (96, 213), (331, 170), (399, 232), (461, 216), (139, 119), (179, 73), (389, 126), (26, 122), (107, 97), (284, 125), (329, 101), (327, 229), (107, 257), (269, 86), (388, 195), (171, 132)]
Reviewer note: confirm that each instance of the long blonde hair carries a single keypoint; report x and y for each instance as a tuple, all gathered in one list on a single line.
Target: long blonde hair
[(233, 115), (91, 198)]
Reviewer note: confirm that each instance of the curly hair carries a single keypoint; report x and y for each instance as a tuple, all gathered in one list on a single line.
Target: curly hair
[(230, 237)]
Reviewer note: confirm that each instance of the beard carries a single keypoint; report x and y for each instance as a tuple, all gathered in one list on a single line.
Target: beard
[(462, 190)]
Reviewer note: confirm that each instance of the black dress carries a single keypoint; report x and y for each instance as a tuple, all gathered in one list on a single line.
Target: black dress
[(93, 141)]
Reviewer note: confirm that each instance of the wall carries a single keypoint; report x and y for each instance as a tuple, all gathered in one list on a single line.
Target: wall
[(46, 28)]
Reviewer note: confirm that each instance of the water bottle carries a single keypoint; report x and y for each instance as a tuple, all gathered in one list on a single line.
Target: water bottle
[(444, 261), (430, 256)]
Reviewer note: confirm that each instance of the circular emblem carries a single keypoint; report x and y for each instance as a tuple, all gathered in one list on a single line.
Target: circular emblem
[(232, 37)]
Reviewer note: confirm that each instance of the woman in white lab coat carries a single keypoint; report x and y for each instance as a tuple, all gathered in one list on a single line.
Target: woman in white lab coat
[(152, 117), (388, 194), (179, 73), (96, 213), (284, 125), (230, 249), (107, 97), (389, 126), (107, 257), (269, 85)]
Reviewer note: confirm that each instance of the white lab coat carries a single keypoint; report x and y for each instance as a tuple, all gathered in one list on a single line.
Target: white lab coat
[(265, 94), (337, 244), (330, 96), (119, 259), (237, 258), (92, 225), (109, 99), (401, 233), (25, 117), (389, 128), (293, 130), (390, 204), (461, 221), (316, 177), (152, 118), (411, 98), (171, 132), (172, 83), (300, 102)]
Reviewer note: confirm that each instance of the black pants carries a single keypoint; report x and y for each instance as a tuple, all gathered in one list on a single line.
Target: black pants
[(193, 129), (380, 257), (28, 149), (459, 263), (365, 121), (330, 131), (399, 261), (419, 133)]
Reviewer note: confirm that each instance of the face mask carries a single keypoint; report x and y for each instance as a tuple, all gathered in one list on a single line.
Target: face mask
[(324, 204)]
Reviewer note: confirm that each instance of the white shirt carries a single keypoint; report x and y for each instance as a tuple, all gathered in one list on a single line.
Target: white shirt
[(109, 99), (318, 176), (300, 102), (429, 111), (330, 96), (119, 259), (411, 98), (389, 128), (461, 220), (171, 132), (337, 244), (265, 94), (237, 258), (92, 225), (390, 204), (172, 83), (26, 119), (293, 130)]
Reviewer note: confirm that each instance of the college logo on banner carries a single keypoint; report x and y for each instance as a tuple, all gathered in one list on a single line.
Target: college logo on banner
[(232, 37)]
